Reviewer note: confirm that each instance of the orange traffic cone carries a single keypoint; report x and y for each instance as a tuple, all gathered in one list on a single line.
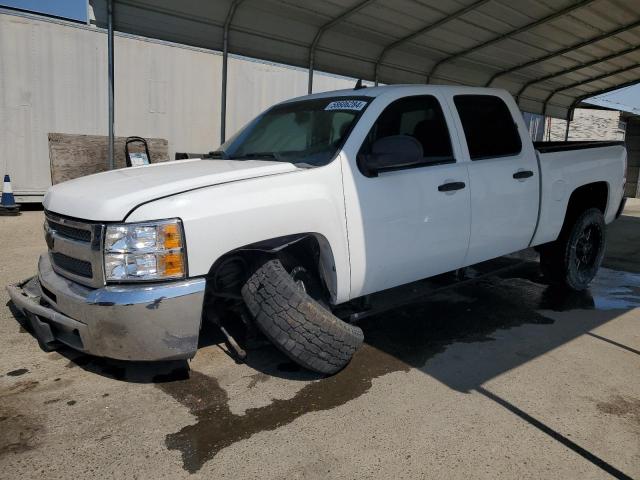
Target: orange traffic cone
[(8, 205)]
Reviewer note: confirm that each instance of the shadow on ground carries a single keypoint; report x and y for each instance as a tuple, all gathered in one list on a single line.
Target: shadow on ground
[(406, 339)]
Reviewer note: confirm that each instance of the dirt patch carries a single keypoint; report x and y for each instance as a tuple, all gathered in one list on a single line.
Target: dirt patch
[(18, 432), (19, 387), (257, 378), (627, 407)]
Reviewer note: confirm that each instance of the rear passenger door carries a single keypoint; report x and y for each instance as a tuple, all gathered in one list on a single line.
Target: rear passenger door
[(503, 175), (412, 222)]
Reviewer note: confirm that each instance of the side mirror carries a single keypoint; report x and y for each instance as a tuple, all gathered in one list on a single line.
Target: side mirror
[(390, 153)]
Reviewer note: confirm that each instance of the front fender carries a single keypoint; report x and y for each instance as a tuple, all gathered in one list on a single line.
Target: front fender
[(226, 217)]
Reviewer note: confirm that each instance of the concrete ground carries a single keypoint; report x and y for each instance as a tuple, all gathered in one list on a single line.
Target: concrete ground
[(504, 378)]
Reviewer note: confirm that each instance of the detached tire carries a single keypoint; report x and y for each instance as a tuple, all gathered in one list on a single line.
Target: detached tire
[(574, 259), (306, 332)]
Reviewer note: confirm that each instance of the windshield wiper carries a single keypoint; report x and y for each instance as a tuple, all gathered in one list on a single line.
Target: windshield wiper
[(257, 155), (217, 154)]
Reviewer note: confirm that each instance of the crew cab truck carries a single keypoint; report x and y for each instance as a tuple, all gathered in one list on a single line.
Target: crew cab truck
[(319, 201)]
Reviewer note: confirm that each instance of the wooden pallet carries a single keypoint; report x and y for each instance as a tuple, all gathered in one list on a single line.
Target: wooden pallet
[(73, 156)]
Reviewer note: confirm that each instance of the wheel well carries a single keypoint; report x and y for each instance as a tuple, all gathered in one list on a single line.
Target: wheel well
[(592, 195), (229, 272)]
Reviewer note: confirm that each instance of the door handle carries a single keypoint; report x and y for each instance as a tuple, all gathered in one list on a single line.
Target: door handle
[(451, 186), (522, 174)]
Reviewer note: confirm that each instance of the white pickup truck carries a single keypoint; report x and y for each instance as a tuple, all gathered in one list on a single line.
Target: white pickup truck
[(319, 201)]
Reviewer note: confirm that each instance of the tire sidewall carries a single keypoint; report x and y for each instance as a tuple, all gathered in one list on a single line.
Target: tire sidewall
[(295, 323)]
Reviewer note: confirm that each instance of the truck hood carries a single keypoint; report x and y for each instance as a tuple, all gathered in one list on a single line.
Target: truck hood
[(110, 196)]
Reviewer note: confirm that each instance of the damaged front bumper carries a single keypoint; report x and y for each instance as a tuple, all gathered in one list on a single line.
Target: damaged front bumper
[(145, 322)]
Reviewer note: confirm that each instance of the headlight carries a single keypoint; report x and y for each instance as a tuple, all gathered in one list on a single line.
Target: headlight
[(144, 251)]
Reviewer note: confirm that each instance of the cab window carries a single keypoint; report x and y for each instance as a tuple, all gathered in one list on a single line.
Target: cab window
[(488, 126), (420, 117)]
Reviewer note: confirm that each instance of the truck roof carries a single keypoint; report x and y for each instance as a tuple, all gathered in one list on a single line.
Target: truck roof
[(410, 88)]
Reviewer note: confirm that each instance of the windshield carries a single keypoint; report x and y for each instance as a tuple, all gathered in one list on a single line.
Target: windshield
[(306, 133)]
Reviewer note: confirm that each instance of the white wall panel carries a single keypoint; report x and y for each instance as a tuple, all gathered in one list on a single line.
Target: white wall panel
[(53, 78), (50, 79), (255, 86), (167, 92)]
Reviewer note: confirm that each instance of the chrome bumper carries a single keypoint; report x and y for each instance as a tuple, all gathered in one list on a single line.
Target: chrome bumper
[(144, 322)]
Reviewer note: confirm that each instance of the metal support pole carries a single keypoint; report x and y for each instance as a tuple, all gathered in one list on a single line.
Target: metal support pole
[(314, 44), (111, 158), (223, 95), (225, 62), (310, 84), (566, 131)]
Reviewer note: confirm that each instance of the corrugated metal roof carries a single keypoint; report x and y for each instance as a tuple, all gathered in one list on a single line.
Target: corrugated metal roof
[(549, 53)]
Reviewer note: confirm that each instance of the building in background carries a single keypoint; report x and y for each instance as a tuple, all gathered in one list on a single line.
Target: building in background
[(633, 156), (603, 123), (587, 124), (627, 101)]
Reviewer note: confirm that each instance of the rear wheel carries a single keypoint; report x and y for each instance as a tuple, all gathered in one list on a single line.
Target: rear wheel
[(303, 329), (574, 259)]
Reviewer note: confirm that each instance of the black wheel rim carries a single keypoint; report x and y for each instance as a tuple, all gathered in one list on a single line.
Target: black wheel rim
[(587, 251)]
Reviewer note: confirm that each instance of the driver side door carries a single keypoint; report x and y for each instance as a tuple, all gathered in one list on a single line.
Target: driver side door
[(412, 222)]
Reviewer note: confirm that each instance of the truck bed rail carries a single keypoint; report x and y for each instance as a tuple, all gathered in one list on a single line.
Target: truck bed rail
[(549, 147)]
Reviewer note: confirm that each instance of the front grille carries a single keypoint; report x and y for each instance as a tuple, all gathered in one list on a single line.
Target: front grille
[(75, 248), (70, 232), (72, 265)]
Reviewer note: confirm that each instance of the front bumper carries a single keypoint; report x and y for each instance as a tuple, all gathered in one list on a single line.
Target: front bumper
[(144, 322)]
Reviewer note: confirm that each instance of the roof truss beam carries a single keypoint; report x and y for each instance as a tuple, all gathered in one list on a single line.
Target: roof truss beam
[(586, 82), (577, 101), (314, 45), (575, 69), (563, 51), (506, 36), (428, 28)]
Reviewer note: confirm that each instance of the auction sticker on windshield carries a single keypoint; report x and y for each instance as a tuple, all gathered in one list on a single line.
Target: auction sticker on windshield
[(346, 105)]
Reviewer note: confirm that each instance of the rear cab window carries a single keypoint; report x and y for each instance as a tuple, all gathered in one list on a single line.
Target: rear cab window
[(488, 126)]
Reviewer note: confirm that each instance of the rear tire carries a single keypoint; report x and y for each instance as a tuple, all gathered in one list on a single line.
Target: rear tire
[(299, 326), (574, 258)]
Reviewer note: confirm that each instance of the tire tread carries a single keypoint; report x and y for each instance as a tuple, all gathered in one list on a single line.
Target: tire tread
[(300, 327)]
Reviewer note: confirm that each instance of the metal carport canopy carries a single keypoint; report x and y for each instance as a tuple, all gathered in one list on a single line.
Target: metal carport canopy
[(551, 54)]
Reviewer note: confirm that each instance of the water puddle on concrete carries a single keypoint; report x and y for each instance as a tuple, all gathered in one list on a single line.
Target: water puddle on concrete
[(613, 289), (394, 342)]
